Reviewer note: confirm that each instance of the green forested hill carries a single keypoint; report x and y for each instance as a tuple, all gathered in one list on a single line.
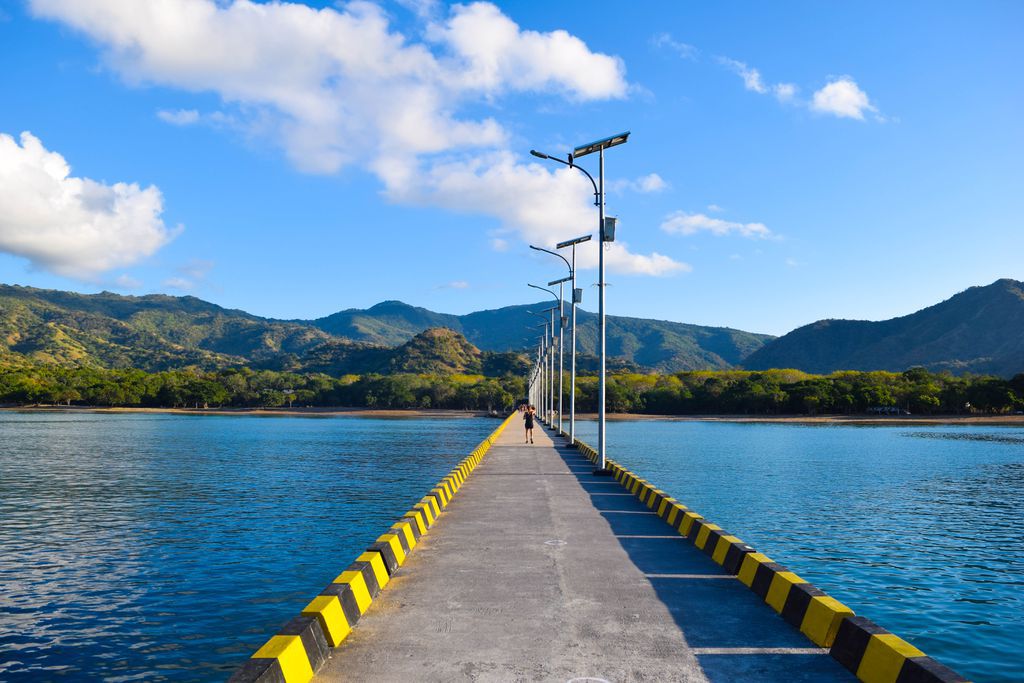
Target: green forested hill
[(389, 323), (980, 330), (633, 342), (158, 332), (152, 332), (437, 351)]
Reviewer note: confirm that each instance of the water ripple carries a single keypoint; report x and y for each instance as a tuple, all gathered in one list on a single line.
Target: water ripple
[(170, 547), (918, 529)]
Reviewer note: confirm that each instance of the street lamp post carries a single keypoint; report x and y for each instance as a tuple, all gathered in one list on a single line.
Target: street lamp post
[(577, 298), (606, 230), (547, 357), (561, 330)]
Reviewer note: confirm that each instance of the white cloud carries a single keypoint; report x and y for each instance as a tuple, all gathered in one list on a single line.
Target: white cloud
[(422, 8), (683, 223), (650, 183), (715, 208), (455, 284), (196, 269), (541, 205), (751, 77), (125, 281), (666, 41), (783, 92), (179, 283), (339, 86), (792, 263), (494, 55), (499, 244), (620, 259), (839, 97), (843, 98), (179, 117), (72, 226)]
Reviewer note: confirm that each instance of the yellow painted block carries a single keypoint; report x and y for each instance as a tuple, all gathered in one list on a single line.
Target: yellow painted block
[(380, 572), (702, 535), (883, 658), (687, 521), (427, 509), (291, 655), (652, 496), (360, 592), (778, 591), (431, 502), (442, 493), (637, 483), (722, 548), (327, 610), (663, 505), (675, 513), (749, 567), (396, 547), (405, 529), (418, 516), (822, 619), (428, 513)]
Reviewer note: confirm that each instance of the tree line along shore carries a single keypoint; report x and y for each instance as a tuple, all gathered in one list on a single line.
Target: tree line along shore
[(723, 392)]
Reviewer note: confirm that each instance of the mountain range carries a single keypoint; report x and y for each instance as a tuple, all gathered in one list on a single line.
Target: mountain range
[(157, 332), (980, 330)]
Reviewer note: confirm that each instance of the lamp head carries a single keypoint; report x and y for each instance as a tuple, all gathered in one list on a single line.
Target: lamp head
[(569, 243), (539, 155), (596, 145)]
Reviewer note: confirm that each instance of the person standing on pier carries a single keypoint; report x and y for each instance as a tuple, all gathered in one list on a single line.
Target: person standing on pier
[(528, 422)]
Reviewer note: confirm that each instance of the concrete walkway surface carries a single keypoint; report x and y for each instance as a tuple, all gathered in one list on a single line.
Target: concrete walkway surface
[(541, 571)]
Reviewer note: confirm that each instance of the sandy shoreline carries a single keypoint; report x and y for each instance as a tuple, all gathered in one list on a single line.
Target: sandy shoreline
[(1006, 420), (255, 412)]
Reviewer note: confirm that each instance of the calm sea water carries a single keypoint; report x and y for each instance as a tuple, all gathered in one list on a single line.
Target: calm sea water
[(149, 547), (920, 529)]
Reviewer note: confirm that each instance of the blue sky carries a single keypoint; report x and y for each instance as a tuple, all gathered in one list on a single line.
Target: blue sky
[(788, 162)]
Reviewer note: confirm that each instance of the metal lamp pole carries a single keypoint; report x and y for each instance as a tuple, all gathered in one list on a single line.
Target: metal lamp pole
[(606, 231), (577, 298), (561, 329), (549, 362), (547, 377)]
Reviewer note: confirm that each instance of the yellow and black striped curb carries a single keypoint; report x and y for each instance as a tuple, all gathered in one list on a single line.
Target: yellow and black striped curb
[(873, 654), (302, 645)]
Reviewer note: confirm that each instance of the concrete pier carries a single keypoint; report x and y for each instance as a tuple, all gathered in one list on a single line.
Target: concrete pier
[(541, 571)]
